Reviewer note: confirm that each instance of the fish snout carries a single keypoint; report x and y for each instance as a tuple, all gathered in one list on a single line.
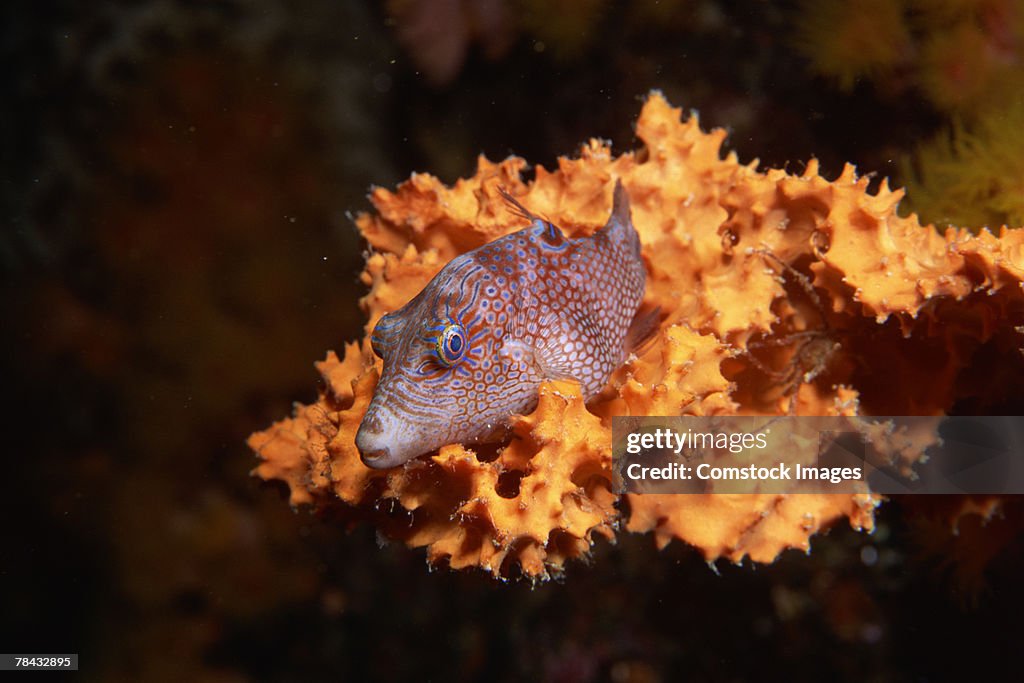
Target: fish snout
[(372, 442)]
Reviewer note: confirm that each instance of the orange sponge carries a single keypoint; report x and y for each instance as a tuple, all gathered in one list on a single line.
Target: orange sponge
[(784, 294)]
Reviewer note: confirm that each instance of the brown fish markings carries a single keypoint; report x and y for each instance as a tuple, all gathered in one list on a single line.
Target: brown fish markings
[(473, 347)]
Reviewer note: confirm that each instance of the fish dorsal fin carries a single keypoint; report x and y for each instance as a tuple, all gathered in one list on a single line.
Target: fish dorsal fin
[(620, 222), (642, 330), (620, 205)]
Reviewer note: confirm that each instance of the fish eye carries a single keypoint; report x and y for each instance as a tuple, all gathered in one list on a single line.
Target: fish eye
[(451, 344)]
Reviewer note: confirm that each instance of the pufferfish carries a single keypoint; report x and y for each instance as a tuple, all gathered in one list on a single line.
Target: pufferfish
[(474, 346)]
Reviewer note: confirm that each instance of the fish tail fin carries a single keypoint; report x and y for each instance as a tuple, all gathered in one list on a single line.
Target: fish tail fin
[(642, 330)]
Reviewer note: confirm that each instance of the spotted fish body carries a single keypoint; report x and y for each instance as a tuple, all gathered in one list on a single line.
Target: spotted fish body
[(473, 347)]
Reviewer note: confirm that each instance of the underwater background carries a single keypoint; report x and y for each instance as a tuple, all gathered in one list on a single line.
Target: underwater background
[(178, 190)]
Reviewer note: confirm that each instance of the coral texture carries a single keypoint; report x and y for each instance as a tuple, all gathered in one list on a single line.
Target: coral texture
[(973, 175), (970, 172), (784, 294), (904, 45)]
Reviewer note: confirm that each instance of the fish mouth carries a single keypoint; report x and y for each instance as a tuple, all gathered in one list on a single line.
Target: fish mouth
[(384, 441), (370, 441), (376, 449), (378, 459)]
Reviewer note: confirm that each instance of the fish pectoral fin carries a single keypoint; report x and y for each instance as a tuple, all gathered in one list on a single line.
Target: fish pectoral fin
[(642, 330), (552, 370), (546, 366)]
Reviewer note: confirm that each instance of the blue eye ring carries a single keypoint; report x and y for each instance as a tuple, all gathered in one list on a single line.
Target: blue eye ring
[(451, 344)]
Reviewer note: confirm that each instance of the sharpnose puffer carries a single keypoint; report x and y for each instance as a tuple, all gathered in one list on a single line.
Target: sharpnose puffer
[(474, 346)]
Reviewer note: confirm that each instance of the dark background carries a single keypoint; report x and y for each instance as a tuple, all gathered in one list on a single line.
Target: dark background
[(178, 185)]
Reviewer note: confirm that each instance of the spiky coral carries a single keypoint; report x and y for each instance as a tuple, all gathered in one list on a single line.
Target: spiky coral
[(783, 294)]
